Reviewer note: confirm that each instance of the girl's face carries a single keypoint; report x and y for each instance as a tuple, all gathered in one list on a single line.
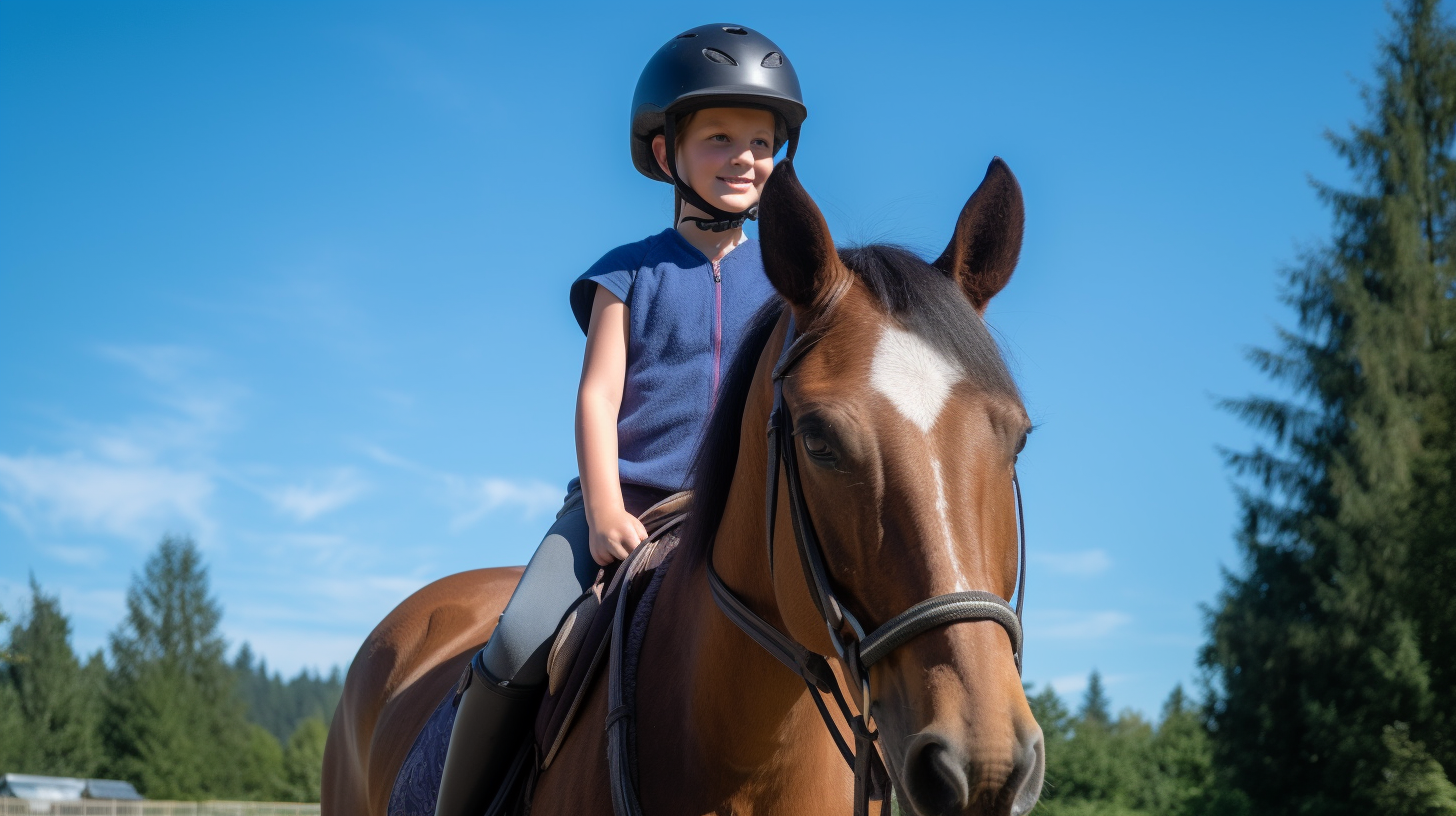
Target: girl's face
[(725, 154)]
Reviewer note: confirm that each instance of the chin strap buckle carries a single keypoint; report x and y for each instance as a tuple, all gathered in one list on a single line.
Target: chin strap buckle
[(720, 225)]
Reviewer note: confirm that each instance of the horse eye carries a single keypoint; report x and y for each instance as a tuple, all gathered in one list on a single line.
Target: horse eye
[(1021, 446), (816, 447)]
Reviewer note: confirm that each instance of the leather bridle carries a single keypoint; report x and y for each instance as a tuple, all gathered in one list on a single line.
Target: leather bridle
[(858, 650)]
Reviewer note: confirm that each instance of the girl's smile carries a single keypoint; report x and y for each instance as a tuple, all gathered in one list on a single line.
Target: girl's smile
[(725, 154)]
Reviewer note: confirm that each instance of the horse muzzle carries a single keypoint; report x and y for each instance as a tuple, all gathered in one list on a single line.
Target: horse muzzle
[(940, 775)]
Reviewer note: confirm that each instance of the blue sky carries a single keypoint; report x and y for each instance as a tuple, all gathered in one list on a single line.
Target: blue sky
[(291, 279)]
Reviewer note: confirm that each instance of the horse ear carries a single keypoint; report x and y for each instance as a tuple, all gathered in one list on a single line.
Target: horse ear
[(987, 242), (798, 252)]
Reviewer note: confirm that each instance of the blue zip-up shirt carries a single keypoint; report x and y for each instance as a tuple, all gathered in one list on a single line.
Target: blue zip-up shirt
[(687, 319)]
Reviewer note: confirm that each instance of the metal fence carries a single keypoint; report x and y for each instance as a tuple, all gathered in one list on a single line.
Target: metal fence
[(115, 807)]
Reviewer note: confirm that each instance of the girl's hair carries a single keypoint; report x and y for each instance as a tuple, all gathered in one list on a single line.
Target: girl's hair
[(682, 131)]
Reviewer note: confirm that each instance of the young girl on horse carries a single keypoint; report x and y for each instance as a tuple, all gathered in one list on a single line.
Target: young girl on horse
[(662, 316)]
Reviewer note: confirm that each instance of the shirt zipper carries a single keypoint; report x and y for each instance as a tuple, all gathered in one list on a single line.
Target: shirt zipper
[(717, 326)]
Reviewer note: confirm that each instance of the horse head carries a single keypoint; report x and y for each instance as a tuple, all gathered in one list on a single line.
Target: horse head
[(907, 425)]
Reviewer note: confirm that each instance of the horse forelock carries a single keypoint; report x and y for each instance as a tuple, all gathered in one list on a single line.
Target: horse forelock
[(922, 300)]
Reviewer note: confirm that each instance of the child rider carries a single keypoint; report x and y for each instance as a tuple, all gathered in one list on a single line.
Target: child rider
[(662, 317)]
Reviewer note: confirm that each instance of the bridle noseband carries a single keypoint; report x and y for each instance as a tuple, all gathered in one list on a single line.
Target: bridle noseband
[(858, 650)]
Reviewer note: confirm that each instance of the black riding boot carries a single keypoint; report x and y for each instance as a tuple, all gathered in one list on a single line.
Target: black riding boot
[(490, 727)]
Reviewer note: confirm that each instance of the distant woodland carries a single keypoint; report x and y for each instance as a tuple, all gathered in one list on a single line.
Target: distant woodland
[(162, 707)]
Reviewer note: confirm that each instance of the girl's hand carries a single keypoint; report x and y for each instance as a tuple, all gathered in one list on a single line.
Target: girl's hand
[(614, 536)]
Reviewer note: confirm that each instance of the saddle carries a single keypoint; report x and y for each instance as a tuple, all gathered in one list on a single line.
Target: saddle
[(608, 619), (585, 634)]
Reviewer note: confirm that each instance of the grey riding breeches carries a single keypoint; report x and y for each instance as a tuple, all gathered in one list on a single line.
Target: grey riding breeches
[(559, 572)]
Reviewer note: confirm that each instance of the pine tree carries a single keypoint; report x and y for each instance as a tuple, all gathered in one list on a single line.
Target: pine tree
[(1322, 645), (303, 760), (1180, 777), (1095, 704), (1434, 548), (1095, 765), (1414, 782), (262, 776), (58, 701), (1098, 766), (1051, 715), (174, 725), (11, 725), (281, 706)]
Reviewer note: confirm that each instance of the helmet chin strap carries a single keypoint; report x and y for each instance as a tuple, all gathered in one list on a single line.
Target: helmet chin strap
[(722, 220)]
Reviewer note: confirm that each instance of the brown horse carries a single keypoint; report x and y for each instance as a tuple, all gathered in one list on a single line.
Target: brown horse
[(908, 427)]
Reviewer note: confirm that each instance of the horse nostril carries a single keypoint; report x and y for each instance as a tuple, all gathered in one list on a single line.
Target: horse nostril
[(1027, 778), (935, 782)]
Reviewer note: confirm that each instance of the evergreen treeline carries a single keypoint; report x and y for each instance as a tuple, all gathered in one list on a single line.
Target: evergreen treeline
[(1098, 765), (279, 705), (167, 712), (1332, 656)]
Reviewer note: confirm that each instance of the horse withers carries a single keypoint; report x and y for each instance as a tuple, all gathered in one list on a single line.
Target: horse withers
[(906, 428)]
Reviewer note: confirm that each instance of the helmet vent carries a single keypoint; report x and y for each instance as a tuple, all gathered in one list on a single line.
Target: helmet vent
[(719, 57), (773, 60), (736, 30), (686, 36)]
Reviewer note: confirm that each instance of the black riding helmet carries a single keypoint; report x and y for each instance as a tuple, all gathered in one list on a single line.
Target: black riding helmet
[(719, 65)]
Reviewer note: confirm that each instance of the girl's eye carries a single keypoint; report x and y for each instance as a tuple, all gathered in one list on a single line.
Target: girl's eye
[(760, 143), (718, 137)]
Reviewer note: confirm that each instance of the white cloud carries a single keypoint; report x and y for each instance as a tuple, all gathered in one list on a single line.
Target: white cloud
[(306, 502), (158, 363), (484, 496), (76, 556), (384, 457), (135, 479), (76, 491), (320, 604), (104, 606), (326, 553), (1069, 684), (1085, 563), (320, 543), (199, 407), (475, 497), (1072, 684), (1071, 625), (371, 588), (396, 399)]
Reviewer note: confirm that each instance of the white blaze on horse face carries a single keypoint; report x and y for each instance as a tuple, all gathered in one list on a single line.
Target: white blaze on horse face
[(913, 375), (942, 509)]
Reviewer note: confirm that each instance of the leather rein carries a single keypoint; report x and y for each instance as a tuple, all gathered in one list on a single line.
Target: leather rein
[(857, 649)]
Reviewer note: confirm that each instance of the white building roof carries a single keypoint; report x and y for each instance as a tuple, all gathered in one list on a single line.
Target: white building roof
[(49, 788), (61, 788)]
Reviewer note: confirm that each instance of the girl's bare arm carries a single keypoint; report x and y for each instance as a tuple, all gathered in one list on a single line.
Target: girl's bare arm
[(613, 531)]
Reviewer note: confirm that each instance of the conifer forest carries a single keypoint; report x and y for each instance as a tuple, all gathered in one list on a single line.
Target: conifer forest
[(1328, 667), (165, 709)]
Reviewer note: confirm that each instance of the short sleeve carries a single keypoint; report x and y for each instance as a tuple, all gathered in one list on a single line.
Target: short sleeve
[(614, 272)]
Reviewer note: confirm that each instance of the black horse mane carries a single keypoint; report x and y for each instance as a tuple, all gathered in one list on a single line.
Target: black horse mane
[(919, 296)]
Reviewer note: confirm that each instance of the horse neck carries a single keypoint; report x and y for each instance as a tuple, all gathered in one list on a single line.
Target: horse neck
[(742, 710)]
